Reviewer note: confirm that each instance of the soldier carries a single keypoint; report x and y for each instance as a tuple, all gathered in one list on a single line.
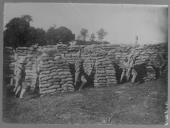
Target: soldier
[(37, 73), (125, 68), (163, 62), (128, 69), (80, 78), (134, 75), (79, 73), (20, 76), (87, 78), (132, 69)]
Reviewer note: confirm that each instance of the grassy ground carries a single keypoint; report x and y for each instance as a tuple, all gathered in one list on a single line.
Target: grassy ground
[(121, 104)]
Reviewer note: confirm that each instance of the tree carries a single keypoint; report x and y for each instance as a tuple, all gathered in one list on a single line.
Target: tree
[(37, 36), (17, 31), (101, 34), (27, 18), (92, 37), (79, 37), (62, 34), (84, 33)]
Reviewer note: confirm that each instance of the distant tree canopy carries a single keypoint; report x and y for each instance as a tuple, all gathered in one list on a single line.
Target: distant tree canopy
[(61, 34), (84, 33), (18, 32), (92, 37), (37, 36), (101, 34)]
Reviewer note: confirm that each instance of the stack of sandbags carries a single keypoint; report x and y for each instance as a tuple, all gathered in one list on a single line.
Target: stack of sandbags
[(109, 47), (100, 74), (8, 59), (55, 75), (73, 49), (47, 82), (25, 51), (8, 64), (64, 75), (110, 72)]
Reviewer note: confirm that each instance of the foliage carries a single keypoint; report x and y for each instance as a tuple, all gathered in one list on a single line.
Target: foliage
[(57, 35), (17, 31), (84, 33), (92, 37), (101, 34), (37, 36)]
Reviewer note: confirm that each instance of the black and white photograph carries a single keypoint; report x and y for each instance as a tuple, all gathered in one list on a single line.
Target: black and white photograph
[(85, 63)]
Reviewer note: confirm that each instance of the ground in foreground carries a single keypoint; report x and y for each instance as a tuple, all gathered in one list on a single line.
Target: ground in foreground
[(121, 104)]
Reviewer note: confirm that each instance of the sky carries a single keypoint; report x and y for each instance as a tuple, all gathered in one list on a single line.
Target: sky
[(122, 22)]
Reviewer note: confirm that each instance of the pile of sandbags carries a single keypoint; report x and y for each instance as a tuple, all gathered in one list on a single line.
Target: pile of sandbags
[(48, 84), (110, 72), (8, 64), (64, 75), (73, 49), (8, 59), (25, 51), (105, 74), (55, 75), (100, 74)]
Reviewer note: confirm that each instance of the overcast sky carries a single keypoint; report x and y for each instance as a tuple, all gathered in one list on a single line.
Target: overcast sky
[(121, 22)]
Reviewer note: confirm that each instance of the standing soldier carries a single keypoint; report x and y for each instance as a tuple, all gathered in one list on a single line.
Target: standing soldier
[(37, 73), (80, 79), (125, 69), (163, 62), (20, 77), (128, 69), (12, 81)]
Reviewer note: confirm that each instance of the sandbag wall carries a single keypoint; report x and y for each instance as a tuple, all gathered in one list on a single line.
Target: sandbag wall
[(55, 73)]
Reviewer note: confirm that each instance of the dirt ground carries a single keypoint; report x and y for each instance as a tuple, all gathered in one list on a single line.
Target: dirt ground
[(122, 104)]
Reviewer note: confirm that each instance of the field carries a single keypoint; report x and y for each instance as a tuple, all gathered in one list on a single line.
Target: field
[(122, 104)]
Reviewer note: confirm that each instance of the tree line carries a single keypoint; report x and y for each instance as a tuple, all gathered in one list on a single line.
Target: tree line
[(19, 32)]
